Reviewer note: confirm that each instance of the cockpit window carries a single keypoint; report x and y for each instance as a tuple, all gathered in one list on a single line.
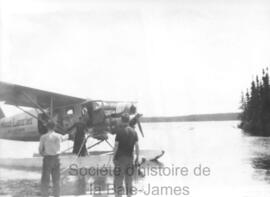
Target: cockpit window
[(70, 111)]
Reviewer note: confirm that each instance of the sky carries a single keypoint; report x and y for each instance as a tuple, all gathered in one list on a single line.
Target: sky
[(175, 57)]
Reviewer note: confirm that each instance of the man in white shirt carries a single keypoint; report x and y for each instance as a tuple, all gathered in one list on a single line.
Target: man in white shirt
[(49, 148)]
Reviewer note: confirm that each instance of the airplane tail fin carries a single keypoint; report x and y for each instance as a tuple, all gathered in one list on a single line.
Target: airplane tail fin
[(2, 115)]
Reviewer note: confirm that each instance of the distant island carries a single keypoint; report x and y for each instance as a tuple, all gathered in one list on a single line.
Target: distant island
[(195, 117)]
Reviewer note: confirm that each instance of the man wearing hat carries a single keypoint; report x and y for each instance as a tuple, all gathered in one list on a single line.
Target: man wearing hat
[(49, 148), (125, 141)]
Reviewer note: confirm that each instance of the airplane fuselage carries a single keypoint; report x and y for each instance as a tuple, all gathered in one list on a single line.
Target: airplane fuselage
[(25, 127), (100, 117), (28, 126), (20, 127)]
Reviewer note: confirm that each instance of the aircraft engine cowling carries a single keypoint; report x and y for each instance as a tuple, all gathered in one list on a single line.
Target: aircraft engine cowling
[(105, 117)]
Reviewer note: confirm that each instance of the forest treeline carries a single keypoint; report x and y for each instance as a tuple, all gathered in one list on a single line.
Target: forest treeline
[(195, 117), (255, 106)]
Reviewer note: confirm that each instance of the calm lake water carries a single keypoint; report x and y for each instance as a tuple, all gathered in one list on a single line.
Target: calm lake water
[(236, 165)]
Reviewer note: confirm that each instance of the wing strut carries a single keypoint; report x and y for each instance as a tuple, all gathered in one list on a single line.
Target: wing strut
[(33, 102), (41, 109), (30, 114)]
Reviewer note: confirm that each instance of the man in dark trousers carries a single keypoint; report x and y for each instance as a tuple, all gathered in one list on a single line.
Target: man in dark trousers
[(125, 141), (79, 146), (49, 148)]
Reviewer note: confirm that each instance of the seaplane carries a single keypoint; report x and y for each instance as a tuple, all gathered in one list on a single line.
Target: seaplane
[(102, 117)]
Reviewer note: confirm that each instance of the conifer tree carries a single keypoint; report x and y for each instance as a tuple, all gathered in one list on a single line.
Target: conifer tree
[(255, 106)]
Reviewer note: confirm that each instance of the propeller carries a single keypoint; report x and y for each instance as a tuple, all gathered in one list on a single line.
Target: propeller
[(140, 127), (137, 118)]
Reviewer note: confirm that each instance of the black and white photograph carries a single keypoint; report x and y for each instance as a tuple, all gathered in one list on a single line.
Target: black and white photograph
[(134, 98)]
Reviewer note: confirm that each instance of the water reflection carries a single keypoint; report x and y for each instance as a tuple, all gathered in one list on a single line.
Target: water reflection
[(260, 158), (262, 168), (101, 185), (261, 163), (84, 184)]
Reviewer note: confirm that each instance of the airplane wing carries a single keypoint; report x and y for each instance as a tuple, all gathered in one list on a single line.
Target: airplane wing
[(29, 97)]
